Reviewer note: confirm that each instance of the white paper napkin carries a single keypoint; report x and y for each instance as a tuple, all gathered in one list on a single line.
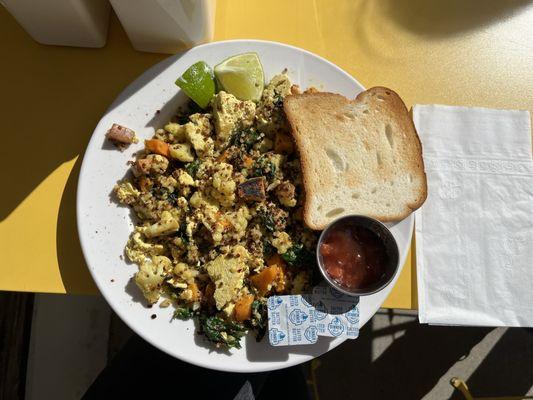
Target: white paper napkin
[(474, 234)]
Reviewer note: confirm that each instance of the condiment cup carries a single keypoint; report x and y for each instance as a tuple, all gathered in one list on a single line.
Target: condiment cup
[(386, 237)]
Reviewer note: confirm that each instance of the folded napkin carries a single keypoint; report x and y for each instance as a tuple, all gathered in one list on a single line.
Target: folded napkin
[(474, 234)]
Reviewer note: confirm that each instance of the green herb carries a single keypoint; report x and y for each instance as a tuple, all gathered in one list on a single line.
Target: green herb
[(264, 167), (250, 138), (299, 256), (259, 319), (268, 220), (183, 313), (192, 167), (278, 100), (182, 233), (245, 138), (268, 249), (225, 333), (172, 197)]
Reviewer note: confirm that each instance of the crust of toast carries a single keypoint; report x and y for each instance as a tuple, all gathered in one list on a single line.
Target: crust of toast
[(318, 119)]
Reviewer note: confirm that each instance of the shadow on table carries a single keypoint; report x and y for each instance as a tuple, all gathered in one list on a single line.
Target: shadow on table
[(74, 272), (507, 370), (56, 95), (408, 369), (420, 356)]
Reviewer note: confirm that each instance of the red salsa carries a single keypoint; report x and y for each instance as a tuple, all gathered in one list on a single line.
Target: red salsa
[(354, 256)]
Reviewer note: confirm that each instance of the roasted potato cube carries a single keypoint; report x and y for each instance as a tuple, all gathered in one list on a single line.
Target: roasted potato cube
[(121, 134), (286, 193), (252, 189), (141, 167)]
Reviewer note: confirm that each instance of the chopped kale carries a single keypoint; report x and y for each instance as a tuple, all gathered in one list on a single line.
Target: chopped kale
[(259, 319), (162, 193), (183, 313), (299, 256), (245, 139), (268, 249), (192, 167), (264, 167), (278, 100), (225, 333), (172, 197), (182, 233), (268, 220)]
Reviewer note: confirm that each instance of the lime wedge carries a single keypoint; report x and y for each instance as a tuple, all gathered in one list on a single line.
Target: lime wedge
[(242, 76), (198, 83)]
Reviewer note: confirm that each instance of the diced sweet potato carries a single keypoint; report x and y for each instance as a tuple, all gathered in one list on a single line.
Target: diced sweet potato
[(157, 146), (281, 279), (275, 259), (222, 220), (247, 161), (252, 189), (224, 156), (264, 280), (243, 308), (196, 294)]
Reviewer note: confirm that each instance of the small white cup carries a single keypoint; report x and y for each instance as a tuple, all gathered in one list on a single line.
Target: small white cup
[(166, 26), (80, 23)]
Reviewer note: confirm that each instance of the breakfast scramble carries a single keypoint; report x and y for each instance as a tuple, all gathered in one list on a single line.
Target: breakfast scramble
[(218, 196)]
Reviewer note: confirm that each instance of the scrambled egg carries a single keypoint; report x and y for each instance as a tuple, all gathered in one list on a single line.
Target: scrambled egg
[(218, 201), (282, 242), (228, 272), (231, 114), (126, 193)]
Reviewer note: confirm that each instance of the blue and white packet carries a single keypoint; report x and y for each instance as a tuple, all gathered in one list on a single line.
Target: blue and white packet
[(290, 321), (300, 319), (337, 313)]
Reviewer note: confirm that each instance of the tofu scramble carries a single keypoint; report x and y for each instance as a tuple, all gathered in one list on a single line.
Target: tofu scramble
[(218, 196)]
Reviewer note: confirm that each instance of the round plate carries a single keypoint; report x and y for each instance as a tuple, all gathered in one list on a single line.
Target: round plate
[(104, 227)]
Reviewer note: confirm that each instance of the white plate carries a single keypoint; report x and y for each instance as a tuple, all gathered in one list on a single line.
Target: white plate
[(104, 226)]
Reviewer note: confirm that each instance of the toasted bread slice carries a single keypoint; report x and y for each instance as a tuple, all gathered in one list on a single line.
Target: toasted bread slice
[(359, 156)]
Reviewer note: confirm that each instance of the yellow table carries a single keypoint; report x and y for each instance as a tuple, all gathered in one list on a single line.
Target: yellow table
[(454, 52)]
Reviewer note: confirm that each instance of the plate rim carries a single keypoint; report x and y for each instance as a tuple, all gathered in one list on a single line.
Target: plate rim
[(249, 366)]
